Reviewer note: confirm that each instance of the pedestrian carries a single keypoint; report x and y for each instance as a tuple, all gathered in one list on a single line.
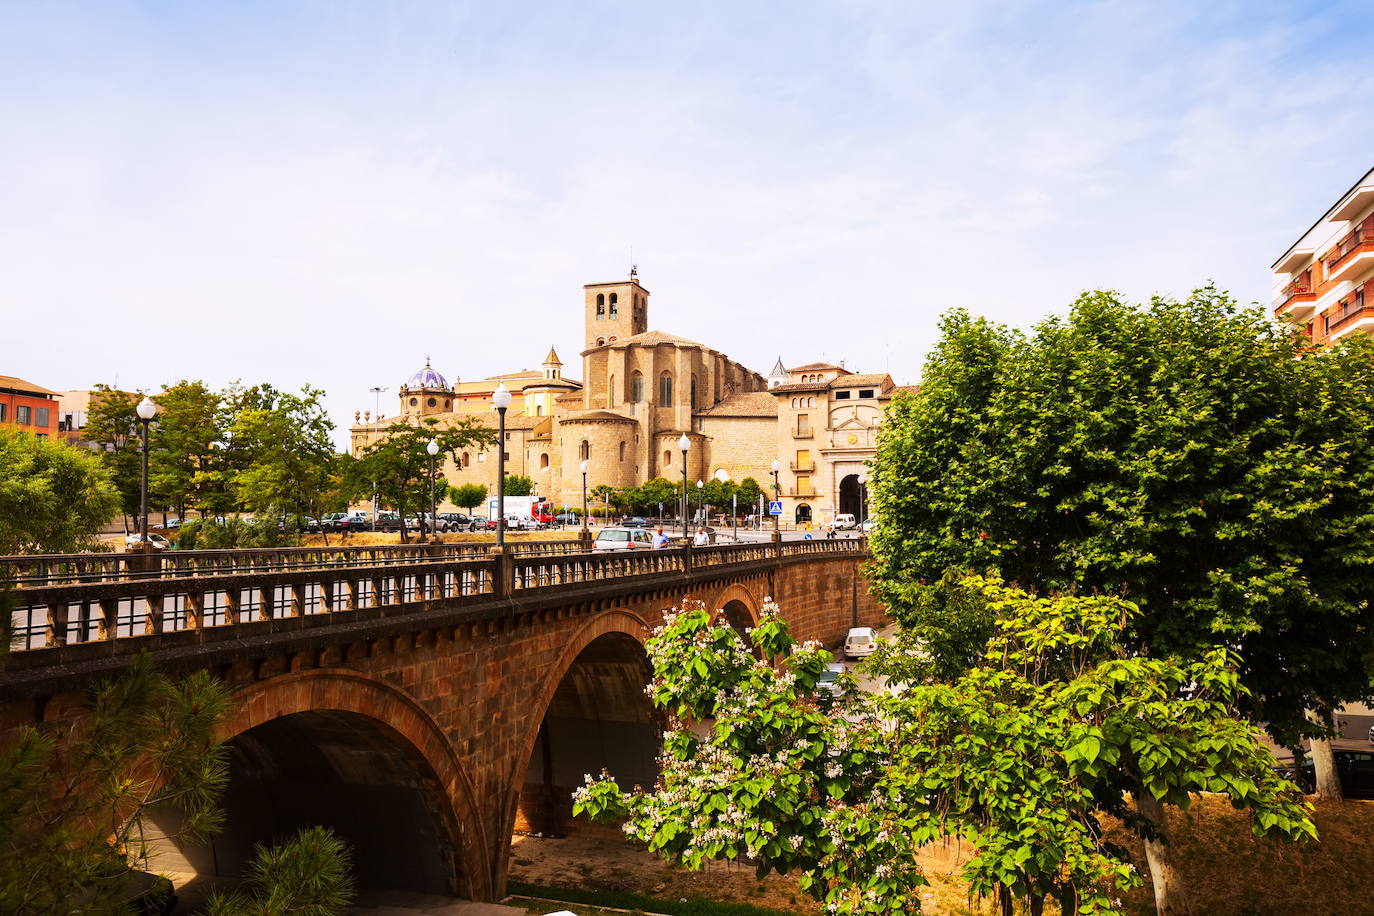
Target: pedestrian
[(701, 540), (660, 539)]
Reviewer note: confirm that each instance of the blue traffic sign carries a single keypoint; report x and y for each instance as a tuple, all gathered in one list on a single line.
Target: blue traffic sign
[(775, 507)]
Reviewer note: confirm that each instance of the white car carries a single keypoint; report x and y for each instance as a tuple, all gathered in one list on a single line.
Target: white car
[(623, 539), (844, 521), (830, 678), (158, 541), (860, 642)]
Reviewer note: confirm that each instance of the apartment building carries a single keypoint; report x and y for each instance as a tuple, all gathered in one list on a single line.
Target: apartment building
[(1325, 281), (27, 406)]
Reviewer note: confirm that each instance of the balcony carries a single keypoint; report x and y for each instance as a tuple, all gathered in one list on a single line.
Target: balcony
[(1297, 299), (1352, 255), (1348, 318), (1358, 199), (1295, 258), (803, 434), (803, 466)]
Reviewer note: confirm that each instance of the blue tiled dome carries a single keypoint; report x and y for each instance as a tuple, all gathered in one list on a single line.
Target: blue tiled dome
[(427, 378)]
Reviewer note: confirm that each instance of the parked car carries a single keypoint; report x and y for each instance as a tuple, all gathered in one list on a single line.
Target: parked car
[(172, 524), (453, 521), (867, 526), (387, 521), (567, 518), (830, 677), (635, 521), (158, 541), (860, 642), (844, 521), (1354, 768), (623, 538), (491, 524), (517, 523), (477, 523)]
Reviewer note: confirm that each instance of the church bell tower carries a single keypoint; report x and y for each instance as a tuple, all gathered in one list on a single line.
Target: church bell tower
[(615, 311)]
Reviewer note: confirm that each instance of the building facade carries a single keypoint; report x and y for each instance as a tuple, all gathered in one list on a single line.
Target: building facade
[(1325, 281), (28, 407), (641, 390)]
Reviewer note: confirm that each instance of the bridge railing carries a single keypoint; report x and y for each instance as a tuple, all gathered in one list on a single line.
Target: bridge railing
[(210, 594), (87, 568)]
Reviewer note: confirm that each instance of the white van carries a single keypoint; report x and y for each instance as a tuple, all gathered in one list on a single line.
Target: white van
[(844, 521), (860, 642)]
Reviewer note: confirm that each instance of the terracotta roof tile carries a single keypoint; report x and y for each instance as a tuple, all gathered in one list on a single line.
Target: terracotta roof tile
[(744, 404)]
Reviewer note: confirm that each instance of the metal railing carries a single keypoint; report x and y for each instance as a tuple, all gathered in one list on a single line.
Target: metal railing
[(203, 593)]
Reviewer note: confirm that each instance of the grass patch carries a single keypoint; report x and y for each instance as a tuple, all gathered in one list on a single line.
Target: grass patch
[(624, 900)]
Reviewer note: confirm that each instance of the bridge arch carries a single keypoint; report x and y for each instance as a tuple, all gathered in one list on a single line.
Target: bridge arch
[(591, 713), (737, 606), (339, 748)]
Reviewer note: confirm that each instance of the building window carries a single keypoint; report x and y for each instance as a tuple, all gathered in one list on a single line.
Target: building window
[(667, 458), (810, 402), (433, 402), (622, 451), (538, 410), (448, 404), (506, 455), (544, 460), (842, 395), (694, 392), (611, 390), (636, 388), (21, 414), (803, 424), (467, 459), (3, 408), (601, 305), (866, 393), (414, 401), (615, 305), (586, 452), (601, 341), (42, 417), (665, 390), (804, 485)]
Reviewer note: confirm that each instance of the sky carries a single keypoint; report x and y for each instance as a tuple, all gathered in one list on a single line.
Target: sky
[(327, 193)]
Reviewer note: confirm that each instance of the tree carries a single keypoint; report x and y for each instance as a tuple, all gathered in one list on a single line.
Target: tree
[(308, 875), (468, 495), (112, 422), (1190, 456), (54, 497), (1055, 724), (396, 466), (519, 485), (288, 461), (659, 491), (74, 804), (182, 442), (747, 494)]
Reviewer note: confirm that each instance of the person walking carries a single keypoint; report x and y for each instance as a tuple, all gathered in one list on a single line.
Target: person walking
[(701, 539), (660, 539)]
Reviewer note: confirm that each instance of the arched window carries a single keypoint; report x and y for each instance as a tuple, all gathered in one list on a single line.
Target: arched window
[(467, 459), (601, 341), (586, 450), (601, 305), (538, 410), (667, 457), (448, 404), (622, 451), (665, 390), (615, 308), (810, 402), (636, 388), (694, 393), (543, 460)]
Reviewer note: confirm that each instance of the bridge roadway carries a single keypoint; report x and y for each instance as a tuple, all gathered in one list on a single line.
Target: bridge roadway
[(424, 701)]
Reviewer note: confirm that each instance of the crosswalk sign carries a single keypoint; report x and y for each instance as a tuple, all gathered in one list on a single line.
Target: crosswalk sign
[(775, 507)]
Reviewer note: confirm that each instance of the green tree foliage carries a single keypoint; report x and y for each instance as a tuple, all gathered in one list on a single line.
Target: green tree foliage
[(748, 493), (659, 490), (396, 466), (74, 801), (468, 495), (287, 460), (1055, 724), (112, 422), (54, 498), (181, 467), (308, 875), (1188, 455), (519, 485), (234, 532)]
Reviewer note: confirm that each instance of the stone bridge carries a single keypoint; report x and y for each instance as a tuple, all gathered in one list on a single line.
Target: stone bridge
[(424, 702)]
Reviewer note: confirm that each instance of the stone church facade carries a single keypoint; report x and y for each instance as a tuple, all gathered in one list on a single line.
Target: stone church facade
[(640, 391)]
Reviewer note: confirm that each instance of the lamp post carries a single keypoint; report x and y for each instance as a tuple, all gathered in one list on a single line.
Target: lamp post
[(585, 532), (684, 443), (863, 500), (701, 500), (432, 449), (146, 411), (500, 399), (724, 478), (777, 495)]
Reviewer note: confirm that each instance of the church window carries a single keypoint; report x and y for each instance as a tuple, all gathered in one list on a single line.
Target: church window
[(601, 305), (842, 395), (612, 339), (433, 402), (665, 390), (615, 306), (414, 401), (538, 410), (694, 393), (810, 402), (467, 459), (448, 404), (544, 460), (636, 388), (601, 341), (611, 395), (622, 451), (667, 458), (586, 451)]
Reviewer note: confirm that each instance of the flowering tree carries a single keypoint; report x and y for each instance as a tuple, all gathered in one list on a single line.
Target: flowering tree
[(1055, 725)]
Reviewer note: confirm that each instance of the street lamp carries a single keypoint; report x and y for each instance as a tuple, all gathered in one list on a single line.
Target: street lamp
[(777, 495), (500, 399), (684, 443), (432, 449), (734, 518), (146, 411), (863, 500), (701, 500), (584, 499)]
